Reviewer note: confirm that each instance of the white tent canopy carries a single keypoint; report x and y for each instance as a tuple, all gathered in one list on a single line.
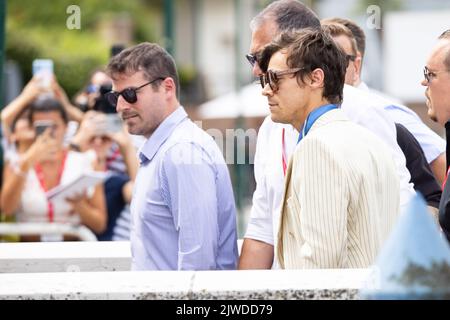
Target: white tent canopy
[(248, 102)]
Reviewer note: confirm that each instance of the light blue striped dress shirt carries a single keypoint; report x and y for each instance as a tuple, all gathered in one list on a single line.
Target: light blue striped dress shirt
[(183, 209)]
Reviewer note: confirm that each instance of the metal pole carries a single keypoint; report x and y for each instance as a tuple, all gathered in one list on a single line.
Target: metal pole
[(2, 58), (2, 46), (196, 16), (169, 26), (240, 122)]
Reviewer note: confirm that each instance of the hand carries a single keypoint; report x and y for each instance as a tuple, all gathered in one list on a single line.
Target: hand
[(59, 92), (88, 129), (44, 148), (122, 138), (32, 90), (78, 202)]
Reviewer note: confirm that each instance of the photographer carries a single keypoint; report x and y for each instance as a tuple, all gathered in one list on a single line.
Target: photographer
[(102, 131)]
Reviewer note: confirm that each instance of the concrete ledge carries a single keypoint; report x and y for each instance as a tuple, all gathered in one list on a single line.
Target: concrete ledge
[(268, 284), (64, 256)]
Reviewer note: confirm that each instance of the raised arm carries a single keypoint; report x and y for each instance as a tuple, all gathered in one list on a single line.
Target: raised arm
[(73, 112), (30, 92)]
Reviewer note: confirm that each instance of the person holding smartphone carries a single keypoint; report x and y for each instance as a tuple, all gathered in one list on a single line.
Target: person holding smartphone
[(115, 154), (43, 166)]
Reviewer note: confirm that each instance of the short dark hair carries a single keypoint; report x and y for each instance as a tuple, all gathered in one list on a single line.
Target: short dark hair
[(357, 31), (47, 105), (289, 15), (446, 36), (150, 58), (311, 49)]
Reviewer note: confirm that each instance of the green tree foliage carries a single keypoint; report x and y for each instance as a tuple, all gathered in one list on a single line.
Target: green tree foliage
[(37, 29)]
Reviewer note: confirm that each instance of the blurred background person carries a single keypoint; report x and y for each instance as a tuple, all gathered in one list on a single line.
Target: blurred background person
[(351, 39), (45, 164), (116, 155), (421, 173), (32, 91), (102, 130)]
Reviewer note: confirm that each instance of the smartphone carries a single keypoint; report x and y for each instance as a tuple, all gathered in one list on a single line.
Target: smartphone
[(43, 70), (41, 125)]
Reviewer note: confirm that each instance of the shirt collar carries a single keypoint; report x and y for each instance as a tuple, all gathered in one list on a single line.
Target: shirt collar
[(363, 86), (332, 116), (161, 134)]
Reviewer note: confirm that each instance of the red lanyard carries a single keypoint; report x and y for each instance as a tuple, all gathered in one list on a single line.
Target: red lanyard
[(112, 158), (283, 153), (446, 177), (40, 175)]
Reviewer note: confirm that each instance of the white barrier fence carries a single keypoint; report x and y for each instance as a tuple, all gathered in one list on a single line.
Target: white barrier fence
[(49, 270), (66, 256), (248, 285), (49, 230)]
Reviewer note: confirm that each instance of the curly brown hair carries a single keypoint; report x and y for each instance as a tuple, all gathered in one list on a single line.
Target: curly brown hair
[(311, 49)]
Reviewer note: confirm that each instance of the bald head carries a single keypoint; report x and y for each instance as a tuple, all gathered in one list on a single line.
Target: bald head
[(446, 37), (437, 80)]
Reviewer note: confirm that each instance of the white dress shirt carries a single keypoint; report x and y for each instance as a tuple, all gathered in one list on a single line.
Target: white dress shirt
[(183, 210), (432, 144)]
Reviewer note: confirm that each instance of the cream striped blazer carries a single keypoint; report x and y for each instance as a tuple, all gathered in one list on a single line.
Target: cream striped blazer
[(341, 197)]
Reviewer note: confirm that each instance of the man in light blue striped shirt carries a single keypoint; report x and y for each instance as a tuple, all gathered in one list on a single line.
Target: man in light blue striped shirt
[(183, 210)]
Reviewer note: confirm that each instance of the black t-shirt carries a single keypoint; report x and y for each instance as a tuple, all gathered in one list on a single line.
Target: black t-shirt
[(444, 211), (444, 206)]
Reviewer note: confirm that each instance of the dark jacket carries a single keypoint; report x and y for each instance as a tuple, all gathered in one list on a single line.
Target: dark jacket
[(444, 206), (421, 175)]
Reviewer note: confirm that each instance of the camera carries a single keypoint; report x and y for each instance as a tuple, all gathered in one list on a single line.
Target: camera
[(41, 125), (101, 104)]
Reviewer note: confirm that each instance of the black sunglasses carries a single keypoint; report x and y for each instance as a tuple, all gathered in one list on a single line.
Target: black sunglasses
[(129, 94), (252, 58), (350, 57), (272, 78)]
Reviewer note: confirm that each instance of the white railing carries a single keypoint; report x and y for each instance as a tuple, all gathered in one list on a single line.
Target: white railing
[(224, 285), (84, 256), (47, 230), (82, 270), (29, 257)]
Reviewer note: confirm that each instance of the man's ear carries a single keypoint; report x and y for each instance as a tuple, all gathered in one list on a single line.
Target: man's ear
[(316, 78), (169, 86), (358, 66)]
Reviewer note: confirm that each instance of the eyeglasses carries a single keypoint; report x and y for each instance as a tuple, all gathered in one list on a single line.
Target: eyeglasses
[(350, 57), (272, 78), (429, 75), (129, 94), (252, 58)]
